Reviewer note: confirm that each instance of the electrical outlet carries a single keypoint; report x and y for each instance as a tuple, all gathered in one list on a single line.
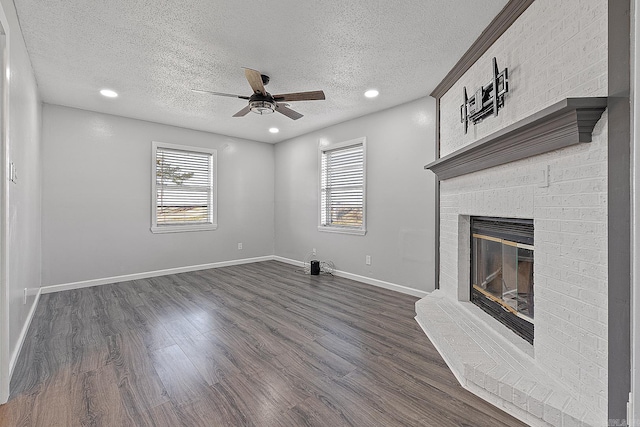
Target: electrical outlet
[(314, 251), (367, 260), (239, 246)]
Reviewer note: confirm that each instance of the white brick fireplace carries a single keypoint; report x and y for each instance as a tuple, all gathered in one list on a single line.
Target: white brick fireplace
[(554, 51)]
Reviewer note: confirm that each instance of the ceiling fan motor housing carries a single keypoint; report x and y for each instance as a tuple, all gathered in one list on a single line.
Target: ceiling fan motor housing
[(262, 104)]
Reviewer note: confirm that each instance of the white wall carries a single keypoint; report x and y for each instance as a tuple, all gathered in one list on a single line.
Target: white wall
[(24, 196), (96, 199), (400, 197)]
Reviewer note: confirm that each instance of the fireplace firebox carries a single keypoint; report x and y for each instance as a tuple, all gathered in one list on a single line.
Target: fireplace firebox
[(502, 271)]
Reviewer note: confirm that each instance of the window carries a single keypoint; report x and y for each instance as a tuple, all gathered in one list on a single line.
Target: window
[(184, 188), (342, 187)]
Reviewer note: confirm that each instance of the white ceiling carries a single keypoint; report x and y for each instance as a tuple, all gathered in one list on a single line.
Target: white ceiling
[(152, 52)]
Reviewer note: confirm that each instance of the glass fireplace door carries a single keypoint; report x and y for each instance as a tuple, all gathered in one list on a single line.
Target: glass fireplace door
[(503, 272)]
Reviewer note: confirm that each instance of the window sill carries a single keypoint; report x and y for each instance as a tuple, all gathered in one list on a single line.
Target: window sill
[(183, 228), (338, 230)]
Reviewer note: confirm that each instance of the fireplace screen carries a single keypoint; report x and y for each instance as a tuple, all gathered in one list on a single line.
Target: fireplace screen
[(502, 271)]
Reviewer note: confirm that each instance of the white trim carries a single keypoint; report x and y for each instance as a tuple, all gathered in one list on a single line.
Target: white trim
[(127, 277), (183, 228), (288, 261), (382, 284), (180, 147), (213, 196), (368, 280), (334, 146), (633, 408), (5, 359), (341, 230), (23, 333)]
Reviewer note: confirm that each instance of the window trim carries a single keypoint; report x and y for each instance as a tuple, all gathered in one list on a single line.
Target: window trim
[(361, 231), (213, 225)]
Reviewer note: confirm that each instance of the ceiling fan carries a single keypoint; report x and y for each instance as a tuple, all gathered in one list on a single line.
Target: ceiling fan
[(262, 102)]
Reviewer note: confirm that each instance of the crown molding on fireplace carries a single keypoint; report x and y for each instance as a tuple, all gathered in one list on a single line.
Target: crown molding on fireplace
[(568, 122), (501, 23)]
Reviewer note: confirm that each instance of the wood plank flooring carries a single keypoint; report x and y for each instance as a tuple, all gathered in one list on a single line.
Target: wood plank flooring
[(251, 345)]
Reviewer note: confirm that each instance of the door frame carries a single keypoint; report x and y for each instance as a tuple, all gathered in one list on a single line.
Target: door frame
[(634, 400), (5, 358)]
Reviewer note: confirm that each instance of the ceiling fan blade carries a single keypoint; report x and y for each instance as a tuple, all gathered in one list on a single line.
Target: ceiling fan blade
[(242, 112), (316, 95), (230, 95), (288, 112), (255, 81)]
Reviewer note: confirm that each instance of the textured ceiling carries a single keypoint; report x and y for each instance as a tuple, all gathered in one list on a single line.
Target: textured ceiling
[(152, 52)]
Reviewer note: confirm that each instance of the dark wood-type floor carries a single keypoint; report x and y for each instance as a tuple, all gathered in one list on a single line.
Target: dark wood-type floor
[(251, 345)]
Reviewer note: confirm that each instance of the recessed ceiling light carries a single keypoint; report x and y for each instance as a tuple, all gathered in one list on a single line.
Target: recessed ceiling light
[(108, 93), (371, 93), (274, 130)]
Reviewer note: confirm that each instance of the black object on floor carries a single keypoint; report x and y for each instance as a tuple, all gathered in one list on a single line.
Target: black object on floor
[(315, 268)]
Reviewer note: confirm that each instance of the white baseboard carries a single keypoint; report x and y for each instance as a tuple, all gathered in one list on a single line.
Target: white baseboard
[(23, 334), (364, 279), (382, 284), (145, 275), (127, 277), (288, 261)]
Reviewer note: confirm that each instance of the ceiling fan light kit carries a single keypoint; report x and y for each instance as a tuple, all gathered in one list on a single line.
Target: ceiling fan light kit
[(262, 102), (262, 107)]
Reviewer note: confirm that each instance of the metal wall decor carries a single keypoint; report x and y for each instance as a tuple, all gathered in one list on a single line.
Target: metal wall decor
[(487, 100)]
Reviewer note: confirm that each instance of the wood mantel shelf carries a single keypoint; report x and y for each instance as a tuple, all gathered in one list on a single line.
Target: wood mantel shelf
[(565, 123)]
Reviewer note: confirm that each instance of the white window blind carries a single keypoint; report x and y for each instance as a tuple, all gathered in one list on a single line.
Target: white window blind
[(342, 187), (184, 188)]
